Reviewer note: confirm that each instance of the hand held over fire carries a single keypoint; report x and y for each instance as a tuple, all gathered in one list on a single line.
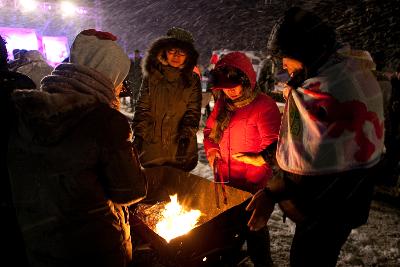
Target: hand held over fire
[(249, 158), (262, 206)]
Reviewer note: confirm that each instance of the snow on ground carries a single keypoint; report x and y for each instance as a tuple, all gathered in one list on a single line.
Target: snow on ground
[(375, 244)]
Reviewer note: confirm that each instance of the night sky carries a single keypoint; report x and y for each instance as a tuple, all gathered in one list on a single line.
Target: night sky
[(232, 24), (245, 25)]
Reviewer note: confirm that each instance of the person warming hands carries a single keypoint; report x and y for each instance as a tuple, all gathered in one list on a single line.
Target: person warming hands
[(330, 141), (243, 123)]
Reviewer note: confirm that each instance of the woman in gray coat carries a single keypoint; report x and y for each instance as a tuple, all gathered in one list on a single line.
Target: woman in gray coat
[(73, 171), (168, 110)]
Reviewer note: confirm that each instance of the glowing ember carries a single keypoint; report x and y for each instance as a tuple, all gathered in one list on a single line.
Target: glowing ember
[(175, 220)]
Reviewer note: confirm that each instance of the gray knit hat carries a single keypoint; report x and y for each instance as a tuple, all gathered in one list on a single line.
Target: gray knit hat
[(98, 50), (180, 34)]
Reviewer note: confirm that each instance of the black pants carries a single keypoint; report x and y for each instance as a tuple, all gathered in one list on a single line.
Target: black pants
[(258, 247), (318, 243), (13, 250), (333, 205)]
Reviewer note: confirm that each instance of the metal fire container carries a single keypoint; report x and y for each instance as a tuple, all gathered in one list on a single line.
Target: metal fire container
[(219, 236)]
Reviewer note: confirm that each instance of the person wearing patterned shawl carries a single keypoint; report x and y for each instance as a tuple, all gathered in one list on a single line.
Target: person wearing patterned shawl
[(330, 141)]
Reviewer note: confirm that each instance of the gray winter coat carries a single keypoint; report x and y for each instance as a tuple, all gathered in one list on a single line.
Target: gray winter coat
[(73, 172)]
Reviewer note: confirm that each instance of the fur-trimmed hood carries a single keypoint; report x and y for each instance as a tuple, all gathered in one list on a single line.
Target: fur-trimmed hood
[(153, 62)]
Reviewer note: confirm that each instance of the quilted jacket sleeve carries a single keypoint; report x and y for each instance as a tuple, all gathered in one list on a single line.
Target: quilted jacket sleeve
[(269, 123), (142, 116), (189, 124)]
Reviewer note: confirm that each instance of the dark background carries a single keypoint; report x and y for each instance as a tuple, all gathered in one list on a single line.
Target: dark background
[(216, 24), (245, 24)]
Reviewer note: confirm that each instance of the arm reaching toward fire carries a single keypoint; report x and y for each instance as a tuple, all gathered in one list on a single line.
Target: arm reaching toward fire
[(249, 158), (263, 202), (262, 206)]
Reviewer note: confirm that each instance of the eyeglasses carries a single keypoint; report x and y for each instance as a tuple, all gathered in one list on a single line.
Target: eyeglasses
[(176, 52)]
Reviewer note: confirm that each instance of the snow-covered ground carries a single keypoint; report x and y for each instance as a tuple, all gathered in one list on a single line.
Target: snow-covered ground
[(376, 243)]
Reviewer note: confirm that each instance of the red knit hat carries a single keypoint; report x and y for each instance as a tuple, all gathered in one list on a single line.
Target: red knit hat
[(239, 61)]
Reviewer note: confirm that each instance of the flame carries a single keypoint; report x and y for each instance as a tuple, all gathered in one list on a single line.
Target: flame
[(176, 221)]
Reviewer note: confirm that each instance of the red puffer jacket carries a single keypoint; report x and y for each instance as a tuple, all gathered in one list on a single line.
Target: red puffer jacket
[(251, 129)]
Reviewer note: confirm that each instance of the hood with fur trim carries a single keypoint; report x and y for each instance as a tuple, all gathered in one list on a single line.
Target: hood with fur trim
[(152, 60)]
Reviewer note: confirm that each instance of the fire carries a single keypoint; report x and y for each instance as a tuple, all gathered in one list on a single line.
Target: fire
[(175, 220)]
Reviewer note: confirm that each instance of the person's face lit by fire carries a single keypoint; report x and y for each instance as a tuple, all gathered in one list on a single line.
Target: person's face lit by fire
[(233, 93), (176, 57), (291, 65)]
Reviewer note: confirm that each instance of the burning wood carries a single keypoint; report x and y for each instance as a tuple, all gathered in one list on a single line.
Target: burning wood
[(213, 235), (168, 220)]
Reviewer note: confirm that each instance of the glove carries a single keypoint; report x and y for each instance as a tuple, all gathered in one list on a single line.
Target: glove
[(183, 145), (138, 143), (254, 159)]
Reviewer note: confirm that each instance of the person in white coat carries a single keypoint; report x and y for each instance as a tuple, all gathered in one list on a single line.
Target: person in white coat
[(330, 141)]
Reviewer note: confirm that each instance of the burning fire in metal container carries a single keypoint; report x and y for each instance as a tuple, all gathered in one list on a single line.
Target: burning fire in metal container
[(176, 221), (169, 219)]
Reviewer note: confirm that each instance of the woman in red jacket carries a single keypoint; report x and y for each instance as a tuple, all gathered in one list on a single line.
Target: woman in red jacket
[(243, 123)]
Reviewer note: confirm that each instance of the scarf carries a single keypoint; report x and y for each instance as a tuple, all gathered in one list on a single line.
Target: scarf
[(68, 78), (70, 87), (226, 110)]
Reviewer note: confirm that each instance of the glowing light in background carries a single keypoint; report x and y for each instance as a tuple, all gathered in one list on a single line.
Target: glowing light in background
[(55, 48), (19, 38), (81, 10), (28, 5), (68, 9), (47, 6)]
